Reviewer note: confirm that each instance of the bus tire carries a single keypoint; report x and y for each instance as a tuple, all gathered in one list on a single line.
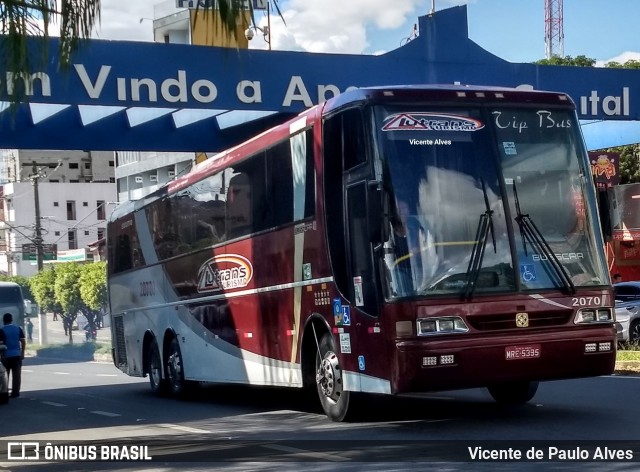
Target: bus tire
[(159, 386), (514, 393), (329, 381), (174, 369)]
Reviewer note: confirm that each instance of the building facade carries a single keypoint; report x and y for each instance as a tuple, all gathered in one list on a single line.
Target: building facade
[(73, 192)]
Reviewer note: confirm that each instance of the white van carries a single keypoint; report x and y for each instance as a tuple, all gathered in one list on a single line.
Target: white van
[(12, 301)]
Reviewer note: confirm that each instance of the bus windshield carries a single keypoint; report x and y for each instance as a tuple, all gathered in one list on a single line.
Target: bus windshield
[(486, 200)]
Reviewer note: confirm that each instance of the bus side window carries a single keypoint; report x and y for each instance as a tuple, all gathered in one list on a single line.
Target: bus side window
[(239, 207), (123, 254), (354, 139), (280, 175)]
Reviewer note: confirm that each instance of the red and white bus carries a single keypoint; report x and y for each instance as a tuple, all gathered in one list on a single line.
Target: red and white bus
[(390, 240)]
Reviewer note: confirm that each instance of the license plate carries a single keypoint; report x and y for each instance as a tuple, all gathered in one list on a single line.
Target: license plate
[(530, 351)]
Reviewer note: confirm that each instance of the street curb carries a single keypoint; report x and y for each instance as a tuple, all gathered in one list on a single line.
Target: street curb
[(66, 353), (627, 368)]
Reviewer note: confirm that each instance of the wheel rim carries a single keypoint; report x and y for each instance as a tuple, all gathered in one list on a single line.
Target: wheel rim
[(329, 377), (175, 369), (635, 333), (155, 367)]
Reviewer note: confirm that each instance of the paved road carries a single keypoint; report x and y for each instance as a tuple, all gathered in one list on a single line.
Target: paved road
[(243, 428), (55, 333)]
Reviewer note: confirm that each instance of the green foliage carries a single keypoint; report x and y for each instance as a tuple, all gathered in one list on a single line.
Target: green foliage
[(628, 353), (66, 288), (42, 289), (93, 285), (629, 163), (578, 61), (71, 288), (630, 64)]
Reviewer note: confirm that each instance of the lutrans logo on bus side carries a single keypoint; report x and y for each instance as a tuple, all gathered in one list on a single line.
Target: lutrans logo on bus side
[(225, 271), (430, 122)]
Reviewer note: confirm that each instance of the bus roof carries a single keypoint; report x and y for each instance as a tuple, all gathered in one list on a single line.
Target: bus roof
[(435, 92)]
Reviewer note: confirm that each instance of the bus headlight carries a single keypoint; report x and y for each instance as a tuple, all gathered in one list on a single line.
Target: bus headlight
[(441, 325), (593, 315)]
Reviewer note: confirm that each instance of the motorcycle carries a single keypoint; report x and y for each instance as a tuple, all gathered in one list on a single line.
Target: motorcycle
[(90, 334)]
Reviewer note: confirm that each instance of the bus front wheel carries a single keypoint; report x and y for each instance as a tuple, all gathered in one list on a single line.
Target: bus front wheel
[(514, 393), (330, 381)]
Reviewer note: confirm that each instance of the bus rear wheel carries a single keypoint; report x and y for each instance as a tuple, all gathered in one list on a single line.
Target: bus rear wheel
[(159, 386), (175, 370), (513, 393), (330, 382)]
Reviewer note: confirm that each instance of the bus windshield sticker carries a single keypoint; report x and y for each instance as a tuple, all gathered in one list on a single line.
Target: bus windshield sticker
[(345, 343), (411, 121), (337, 312), (510, 148), (361, 364), (528, 272), (306, 271), (346, 315), (357, 288), (237, 273)]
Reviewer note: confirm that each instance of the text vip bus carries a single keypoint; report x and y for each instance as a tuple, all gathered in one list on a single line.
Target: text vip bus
[(389, 241)]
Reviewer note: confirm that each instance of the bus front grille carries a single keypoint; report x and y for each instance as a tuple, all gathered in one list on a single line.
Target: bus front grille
[(508, 320)]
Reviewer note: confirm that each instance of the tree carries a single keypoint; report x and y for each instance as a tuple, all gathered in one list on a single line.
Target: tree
[(42, 289), (66, 290), (93, 290), (629, 163), (77, 19), (630, 64), (578, 61)]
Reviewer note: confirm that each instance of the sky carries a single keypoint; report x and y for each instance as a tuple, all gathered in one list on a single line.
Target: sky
[(511, 29)]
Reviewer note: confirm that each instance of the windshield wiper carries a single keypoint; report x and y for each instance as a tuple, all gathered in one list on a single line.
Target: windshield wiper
[(485, 224), (528, 229)]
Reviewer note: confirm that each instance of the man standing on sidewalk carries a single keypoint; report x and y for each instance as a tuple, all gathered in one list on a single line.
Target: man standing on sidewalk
[(16, 344)]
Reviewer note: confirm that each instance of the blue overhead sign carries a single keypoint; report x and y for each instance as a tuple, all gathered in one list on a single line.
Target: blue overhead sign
[(121, 95)]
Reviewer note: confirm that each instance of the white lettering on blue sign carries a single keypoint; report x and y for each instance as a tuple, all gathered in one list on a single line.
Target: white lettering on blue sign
[(611, 105), (346, 316)]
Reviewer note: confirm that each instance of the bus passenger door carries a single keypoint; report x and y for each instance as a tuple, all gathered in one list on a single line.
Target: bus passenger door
[(363, 339), (362, 286)]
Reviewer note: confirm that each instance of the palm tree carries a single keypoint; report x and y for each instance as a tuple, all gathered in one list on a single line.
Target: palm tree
[(20, 19)]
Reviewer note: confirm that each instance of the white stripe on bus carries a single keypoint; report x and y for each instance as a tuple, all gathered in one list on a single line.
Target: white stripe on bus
[(222, 296)]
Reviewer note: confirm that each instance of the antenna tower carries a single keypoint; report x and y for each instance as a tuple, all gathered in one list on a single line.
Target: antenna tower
[(553, 31)]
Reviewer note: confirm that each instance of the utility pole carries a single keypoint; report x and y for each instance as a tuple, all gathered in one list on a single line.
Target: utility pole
[(38, 237)]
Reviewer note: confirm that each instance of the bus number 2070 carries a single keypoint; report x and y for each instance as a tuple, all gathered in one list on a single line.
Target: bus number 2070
[(586, 301)]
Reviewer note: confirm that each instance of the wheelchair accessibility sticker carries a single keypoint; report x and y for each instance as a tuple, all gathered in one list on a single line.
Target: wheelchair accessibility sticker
[(527, 272)]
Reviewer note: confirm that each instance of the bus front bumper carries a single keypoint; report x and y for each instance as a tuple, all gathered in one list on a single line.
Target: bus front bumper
[(466, 361)]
